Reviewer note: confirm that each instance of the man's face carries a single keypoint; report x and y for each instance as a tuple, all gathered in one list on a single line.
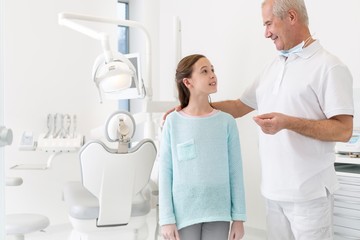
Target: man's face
[(275, 28)]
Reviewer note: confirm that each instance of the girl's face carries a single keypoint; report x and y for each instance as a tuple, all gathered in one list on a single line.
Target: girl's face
[(203, 78)]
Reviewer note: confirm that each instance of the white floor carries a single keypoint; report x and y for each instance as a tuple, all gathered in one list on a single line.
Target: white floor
[(62, 232)]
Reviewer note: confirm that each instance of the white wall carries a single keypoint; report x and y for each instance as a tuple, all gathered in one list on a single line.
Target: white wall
[(230, 33), (47, 69), (2, 164)]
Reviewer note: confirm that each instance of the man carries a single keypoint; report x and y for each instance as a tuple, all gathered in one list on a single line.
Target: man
[(304, 101)]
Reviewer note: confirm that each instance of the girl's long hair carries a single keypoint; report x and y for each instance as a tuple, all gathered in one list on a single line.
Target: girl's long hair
[(184, 70)]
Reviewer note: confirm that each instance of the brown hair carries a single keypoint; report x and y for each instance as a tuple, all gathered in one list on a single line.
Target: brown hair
[(184, 70)]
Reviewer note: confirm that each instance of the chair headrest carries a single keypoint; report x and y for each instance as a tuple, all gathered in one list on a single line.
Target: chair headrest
[(120, 127)]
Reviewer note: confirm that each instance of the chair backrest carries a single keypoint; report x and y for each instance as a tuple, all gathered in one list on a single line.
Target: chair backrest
[(116, 178)]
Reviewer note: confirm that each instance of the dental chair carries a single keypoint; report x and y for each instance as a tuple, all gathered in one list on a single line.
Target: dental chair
[(114, 198)]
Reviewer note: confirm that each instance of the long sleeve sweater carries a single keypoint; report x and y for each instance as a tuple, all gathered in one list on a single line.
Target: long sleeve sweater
[(200, 175)]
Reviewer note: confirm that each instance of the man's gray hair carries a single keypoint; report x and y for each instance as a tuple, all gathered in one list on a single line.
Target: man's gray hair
[(281, 7)]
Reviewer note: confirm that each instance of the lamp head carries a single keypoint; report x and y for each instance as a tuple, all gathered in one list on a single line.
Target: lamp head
[(113, 76), (117, 77)]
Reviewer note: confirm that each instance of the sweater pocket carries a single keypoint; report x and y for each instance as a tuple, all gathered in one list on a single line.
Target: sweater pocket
[(186, 150)]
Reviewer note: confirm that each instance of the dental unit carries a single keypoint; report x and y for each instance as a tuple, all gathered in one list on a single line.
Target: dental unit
[(116, 193)]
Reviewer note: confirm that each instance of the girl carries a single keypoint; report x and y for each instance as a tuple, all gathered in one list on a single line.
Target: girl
[(200, 178)]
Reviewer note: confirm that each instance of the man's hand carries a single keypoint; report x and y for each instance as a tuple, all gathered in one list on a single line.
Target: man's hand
[(271, 123), (336, 129), (177, 108)]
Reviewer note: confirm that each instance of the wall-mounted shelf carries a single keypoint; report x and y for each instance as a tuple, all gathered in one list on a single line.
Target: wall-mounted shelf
[(34, 166), (30, 166)]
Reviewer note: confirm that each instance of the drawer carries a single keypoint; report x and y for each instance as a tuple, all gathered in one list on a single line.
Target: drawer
[(349, 179), (343, 233), (347, 202), (349, 186), (349, 191), (345, 217)]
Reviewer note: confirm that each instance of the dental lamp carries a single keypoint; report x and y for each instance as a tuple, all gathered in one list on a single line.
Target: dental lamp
[(113, 73)]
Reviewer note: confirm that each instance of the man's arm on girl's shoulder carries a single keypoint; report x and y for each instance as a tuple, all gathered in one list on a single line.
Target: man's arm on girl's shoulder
[(234, 107)]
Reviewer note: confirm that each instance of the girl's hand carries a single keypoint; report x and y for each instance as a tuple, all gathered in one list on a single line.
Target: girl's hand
[(170, 232), (237, 230)]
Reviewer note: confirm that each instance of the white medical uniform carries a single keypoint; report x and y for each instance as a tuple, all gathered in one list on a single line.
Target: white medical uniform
[(312, 84)]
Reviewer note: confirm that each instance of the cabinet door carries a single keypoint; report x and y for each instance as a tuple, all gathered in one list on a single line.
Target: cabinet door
[(342, 233), (347, 217)]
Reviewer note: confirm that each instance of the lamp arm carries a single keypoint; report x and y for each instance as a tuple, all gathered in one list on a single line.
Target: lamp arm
[(105, 43), (64, 21)]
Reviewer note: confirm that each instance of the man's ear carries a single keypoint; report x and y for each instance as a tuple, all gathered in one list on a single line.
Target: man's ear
[(292, 15)]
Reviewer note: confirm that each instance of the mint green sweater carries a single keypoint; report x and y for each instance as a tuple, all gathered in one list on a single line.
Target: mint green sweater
[(200, 175)]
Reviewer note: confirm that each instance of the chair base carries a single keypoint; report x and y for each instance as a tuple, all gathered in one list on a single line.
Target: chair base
[(85, 229)]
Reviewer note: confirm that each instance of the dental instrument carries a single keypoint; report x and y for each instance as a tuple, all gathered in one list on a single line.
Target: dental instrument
[(50, 125), (60, 137)]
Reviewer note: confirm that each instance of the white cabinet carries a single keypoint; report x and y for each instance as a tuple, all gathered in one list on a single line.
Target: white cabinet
[(347, 202)]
